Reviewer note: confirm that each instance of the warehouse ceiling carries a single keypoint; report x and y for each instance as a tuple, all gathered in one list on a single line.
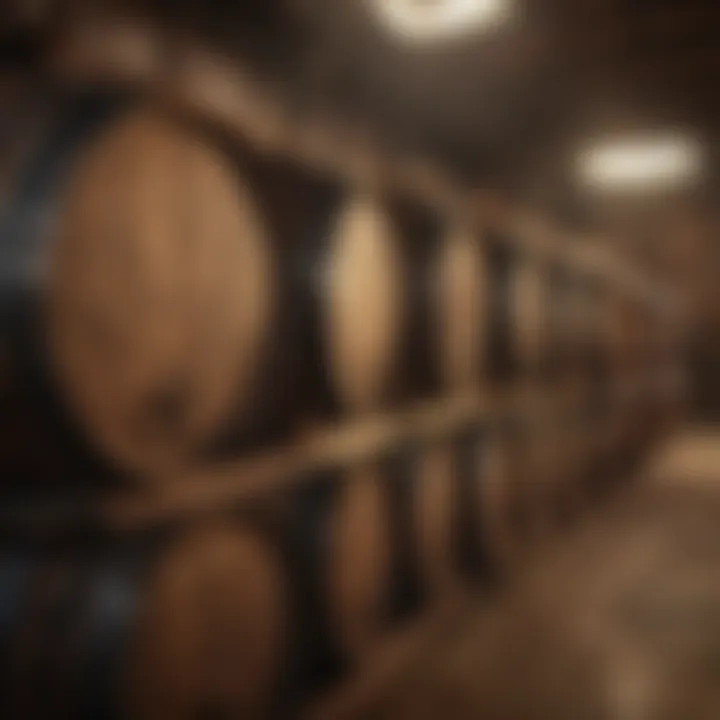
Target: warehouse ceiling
[(509, 107), (514, 105)]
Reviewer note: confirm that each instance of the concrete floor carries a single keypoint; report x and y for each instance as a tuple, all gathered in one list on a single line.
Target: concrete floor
[(621, 621)]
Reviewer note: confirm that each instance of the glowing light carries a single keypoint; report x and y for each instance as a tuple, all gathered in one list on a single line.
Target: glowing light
[(428, 20), (647, 162)]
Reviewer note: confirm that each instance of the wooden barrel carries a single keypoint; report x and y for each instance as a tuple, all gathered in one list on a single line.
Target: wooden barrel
[(529, 314), (473, 552), (649, 412), (657, 339), (359, 561), (353, 557), (161, 292), (602, 442), (644, 320), (624, 422), (463, 314), (597, 351), (495, 496), (544, 457), (421, 232), (211, 633), (138, 288), (641, 323), (672, 395), (611, 328), (644, 414), (595, 290), (542, 473), (662, 365), (180, 314), (625, 337), (577, 425), (596, 411), (342, 266), (613, 426), (502, 360), (394, 304), (365, 307), (435, 513), (519, 313), (559, 320), (579, 312), (197, 625), (580, 336), (583, 419)]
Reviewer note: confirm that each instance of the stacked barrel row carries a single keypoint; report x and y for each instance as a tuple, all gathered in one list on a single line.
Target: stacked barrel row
[(181, 298), (174, 297), (254, 610), (170, 296)]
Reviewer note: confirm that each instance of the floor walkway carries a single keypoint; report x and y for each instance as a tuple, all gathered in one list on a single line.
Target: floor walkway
[(622, 622)]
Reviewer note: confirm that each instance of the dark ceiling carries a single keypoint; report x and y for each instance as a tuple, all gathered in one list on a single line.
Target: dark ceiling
[(507, 108), (511, 107)]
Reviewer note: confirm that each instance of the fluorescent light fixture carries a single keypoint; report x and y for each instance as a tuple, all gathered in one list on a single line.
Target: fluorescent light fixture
[(429, 20), (650, 161)]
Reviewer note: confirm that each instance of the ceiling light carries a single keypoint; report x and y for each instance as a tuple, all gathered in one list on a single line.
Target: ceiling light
[(646, 162), (428, 20)]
